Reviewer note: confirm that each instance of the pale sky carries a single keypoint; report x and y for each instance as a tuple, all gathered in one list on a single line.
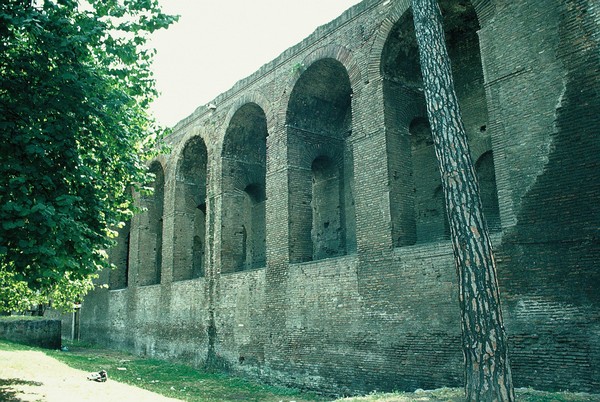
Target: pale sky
[(216, 43)]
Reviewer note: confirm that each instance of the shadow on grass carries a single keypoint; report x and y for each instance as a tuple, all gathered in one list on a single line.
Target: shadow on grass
[(8, 392)]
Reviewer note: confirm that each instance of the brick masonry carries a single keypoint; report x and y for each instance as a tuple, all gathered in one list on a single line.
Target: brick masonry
[(297, 234), (34, 332)]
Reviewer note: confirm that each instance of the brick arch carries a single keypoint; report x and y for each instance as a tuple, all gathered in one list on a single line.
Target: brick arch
[(257, 98), (252, 97), (394, 65), (243, 185), (190, 199), (332, 51), (162, 161), (321, 99), (341, 54), (317, 150), (178, 148), (150, 228), (318, 118), (230, 116), (485, 10), (181, 147)]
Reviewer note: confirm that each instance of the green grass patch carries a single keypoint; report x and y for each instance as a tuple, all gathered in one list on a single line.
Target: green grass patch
[(457, 395), (531, 395), (171, 379), (14, 346)]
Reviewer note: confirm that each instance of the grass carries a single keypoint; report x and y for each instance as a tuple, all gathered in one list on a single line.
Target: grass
[(174, 380), (456, 395), (14, 347), (167, 378), (189, 384)]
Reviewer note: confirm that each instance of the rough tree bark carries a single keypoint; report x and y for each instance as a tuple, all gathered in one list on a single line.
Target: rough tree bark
[(487, 370)]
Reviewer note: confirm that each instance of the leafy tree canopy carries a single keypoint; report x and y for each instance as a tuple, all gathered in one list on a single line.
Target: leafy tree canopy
[(75, 132)]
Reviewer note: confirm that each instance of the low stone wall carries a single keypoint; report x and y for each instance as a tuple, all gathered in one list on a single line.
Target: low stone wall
[(34, 332)]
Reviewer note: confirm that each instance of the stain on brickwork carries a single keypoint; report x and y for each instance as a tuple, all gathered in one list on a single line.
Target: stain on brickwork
[(304, 239)]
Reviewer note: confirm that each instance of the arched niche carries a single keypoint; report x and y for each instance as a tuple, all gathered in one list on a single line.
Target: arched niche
[(326, 235), (151, 230), (119, 257), (243, 229), (189, 243), (431, 220), (321, 175), (484, 167), (415, 207)]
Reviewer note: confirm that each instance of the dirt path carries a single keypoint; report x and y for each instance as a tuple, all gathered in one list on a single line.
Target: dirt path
[(27, 376)]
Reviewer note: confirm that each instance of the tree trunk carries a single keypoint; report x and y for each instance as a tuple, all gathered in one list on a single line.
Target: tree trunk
[(487, 370)]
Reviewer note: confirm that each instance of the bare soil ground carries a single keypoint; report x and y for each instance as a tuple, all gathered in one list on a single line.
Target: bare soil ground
[(27, 376)]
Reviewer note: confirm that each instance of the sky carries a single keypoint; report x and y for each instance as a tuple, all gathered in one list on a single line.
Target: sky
[(216, 43)]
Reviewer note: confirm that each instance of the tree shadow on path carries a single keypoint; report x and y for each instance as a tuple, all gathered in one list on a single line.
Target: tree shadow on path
[(8, 393)]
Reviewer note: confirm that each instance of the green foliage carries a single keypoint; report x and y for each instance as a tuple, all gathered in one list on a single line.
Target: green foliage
[(298, 68), (75, 86)]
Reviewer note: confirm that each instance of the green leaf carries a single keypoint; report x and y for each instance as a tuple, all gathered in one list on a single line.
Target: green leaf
[(74, 120), (8, 225)]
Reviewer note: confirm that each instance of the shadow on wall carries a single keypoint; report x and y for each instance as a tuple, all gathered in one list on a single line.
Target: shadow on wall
[(190, 211), (243, 229), (319, 122), (417, 203), (549, 260), (563, 206)]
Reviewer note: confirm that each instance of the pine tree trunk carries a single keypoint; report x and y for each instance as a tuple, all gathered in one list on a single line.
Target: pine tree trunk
[(487, 370)]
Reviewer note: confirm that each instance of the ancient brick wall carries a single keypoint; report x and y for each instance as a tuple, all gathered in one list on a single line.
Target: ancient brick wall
[(303, 239), (43, 333)]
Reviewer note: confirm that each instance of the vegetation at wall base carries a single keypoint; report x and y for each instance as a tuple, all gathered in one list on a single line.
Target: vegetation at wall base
[(457, 395), (183, 382), (172, 379), (75, 87)]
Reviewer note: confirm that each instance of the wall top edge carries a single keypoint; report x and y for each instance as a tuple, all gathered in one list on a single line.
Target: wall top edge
[(319, 33)]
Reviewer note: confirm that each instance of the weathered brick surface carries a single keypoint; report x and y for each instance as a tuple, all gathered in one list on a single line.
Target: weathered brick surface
[(42, 333), (349, 175)]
